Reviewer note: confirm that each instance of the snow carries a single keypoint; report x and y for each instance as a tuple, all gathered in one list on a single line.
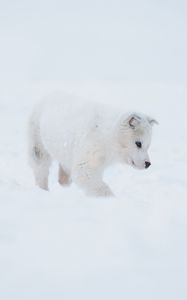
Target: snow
[(61, 244)]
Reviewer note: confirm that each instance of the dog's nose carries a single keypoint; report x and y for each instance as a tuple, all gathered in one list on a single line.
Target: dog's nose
[(147, 164)]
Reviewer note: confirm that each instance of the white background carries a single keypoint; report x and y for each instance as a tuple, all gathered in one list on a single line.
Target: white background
[(62, 245)]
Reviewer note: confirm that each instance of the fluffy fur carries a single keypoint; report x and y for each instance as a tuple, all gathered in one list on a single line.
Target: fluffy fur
[(85, 139)]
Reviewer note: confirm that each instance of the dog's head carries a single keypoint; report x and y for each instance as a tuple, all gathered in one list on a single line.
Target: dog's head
[(134, 139)]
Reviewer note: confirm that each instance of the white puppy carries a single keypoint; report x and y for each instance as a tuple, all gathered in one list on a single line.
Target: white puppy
[(85, 139)]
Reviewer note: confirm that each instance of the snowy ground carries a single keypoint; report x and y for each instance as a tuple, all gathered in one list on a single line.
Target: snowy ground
[(62, 245)]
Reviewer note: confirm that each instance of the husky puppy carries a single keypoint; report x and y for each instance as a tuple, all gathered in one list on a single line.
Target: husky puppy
[(85, 139)]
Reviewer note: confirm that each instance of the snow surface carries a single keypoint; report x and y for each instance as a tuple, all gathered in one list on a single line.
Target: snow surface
[(62, 245)]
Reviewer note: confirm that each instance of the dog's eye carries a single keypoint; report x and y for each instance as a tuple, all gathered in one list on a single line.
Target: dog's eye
[(139, 144)]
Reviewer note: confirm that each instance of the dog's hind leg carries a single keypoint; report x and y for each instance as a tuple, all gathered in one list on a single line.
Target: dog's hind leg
[(39, 159), (40, 163), (63, 177)]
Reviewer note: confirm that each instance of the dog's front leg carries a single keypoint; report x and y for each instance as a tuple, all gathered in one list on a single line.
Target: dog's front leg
[(88, 174), (91, 181)]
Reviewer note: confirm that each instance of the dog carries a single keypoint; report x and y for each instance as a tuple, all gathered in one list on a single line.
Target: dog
[(84, 139)]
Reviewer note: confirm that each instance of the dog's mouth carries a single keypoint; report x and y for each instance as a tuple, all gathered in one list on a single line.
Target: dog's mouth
[(135, 166), (132, 163)]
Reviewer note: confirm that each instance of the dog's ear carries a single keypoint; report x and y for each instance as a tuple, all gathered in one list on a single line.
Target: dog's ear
[(152, 121), (134, 120)]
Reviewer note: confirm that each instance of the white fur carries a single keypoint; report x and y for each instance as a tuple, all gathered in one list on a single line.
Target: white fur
[(84, 139)]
